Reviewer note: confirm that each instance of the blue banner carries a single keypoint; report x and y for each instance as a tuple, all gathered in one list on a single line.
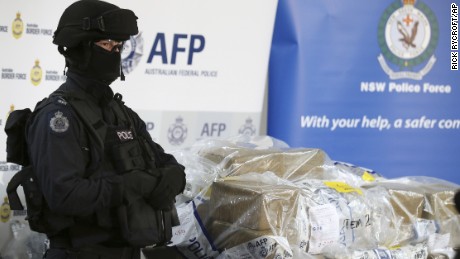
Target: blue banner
[(372, 84)]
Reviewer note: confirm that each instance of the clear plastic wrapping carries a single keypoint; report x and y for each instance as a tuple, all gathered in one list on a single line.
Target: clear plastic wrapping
[(24, 244), (262, 199)]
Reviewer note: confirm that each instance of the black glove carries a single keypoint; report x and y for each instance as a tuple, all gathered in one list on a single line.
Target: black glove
[(138, 184), (172, 182), (457, 201)]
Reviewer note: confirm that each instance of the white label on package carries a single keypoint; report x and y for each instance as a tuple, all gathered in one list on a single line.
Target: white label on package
[(187, 228), (324, 227), (259, 248), (424, 229), (439, 241), (302, 226), (190, 238)]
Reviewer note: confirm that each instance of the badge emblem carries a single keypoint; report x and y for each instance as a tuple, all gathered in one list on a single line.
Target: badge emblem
[(18, 26), (251, 247), (5, 212), (248, 128), (408, 34), (177, 132), (36, 73), (59, 123)]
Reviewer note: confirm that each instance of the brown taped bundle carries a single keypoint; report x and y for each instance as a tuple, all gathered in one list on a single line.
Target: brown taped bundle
[(442, 205), (405, 204), (443, 211), (291, 164), (408, 207), (254, 205), (408, 202), (227, 236)]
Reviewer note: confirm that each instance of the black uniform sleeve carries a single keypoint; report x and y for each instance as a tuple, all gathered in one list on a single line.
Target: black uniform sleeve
[(59, 162)]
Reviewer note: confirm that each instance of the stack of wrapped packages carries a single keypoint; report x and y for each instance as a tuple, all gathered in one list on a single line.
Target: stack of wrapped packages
[(258, 198)]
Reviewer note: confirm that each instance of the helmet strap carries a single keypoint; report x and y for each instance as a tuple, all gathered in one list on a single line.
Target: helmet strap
[(62, 51), (122, 75)]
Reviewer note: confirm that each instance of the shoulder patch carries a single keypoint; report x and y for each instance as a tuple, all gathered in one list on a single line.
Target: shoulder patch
[(59, 123)]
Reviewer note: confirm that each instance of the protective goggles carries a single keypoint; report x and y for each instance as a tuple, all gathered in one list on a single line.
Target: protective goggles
[(120, 21)]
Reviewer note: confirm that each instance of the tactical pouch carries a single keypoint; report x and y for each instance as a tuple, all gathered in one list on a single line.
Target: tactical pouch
[(141, 225), (38, 214), (33, 195), (149, 156), (127, 156), (16, 146)]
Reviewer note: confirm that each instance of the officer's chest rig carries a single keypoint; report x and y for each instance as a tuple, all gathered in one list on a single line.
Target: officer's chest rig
[(113, 145), (117, 145), (127, 150)]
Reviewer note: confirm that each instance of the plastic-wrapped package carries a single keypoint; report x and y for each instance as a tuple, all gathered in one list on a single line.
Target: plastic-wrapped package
[(241, 155), (399, 208), (233, 158), (365, 174), (200, 174), (254, 205), (441, 207), (191, 238), (202, 171), (348, 206), (292, 164), (215, 229), (422, 210), (261, 199), (247, 207)]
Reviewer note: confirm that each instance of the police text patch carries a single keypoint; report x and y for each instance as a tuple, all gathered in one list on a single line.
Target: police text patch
[(125, 135)]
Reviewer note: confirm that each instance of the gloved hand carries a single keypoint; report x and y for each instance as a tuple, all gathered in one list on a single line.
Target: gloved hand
[(171, 183), (138, 184)]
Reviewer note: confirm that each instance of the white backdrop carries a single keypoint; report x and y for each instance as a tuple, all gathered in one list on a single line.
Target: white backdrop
[(215, 87)]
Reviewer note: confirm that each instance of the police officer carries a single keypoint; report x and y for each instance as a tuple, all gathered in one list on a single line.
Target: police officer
[(108, 187)]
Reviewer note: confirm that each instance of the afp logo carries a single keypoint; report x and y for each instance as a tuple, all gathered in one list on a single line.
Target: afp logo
[(185, 45), (133, 50), (177, 132), (125, 135), (408, 35), (248, 128)]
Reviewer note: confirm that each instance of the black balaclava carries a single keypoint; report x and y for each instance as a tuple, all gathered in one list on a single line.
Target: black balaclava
[(94, 62), (85, 22)]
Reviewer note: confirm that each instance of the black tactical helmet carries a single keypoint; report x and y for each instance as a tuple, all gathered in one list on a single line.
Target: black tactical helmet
[(89, 20)]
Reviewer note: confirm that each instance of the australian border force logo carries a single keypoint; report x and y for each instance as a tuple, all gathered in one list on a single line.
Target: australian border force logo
[(408, 34), (17, 26), (36, 73)]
